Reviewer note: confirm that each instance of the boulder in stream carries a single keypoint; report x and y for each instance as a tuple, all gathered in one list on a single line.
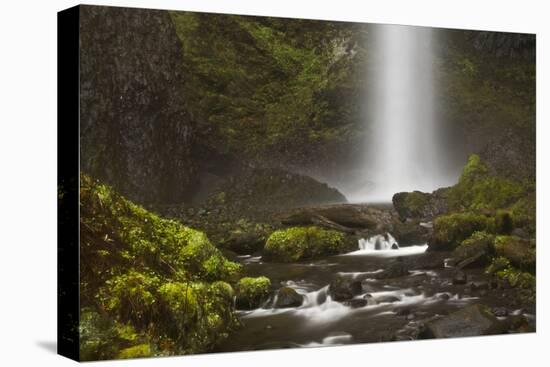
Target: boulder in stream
[(470, 321), (288, 297), (460, 278), (343, 288)]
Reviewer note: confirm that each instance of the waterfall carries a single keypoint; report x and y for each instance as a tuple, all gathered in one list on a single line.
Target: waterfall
[(378, 242), (402, 150)]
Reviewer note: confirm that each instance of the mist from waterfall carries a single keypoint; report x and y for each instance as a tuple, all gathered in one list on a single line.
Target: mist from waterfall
[(403, 150)]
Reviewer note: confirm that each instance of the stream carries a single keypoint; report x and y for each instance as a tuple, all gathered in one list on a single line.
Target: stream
[(394, 309)]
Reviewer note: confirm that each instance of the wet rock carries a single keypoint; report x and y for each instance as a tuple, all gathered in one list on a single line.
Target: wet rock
[(459, 278), (403, 312), (427, 260), (386, 299), (396, 269), (500, 311), (321, 297), (244, 242), (410, 232), (356, 302), (474, 251), (342, 288), (476, 261), (444, 296), (287, 297), (517, 324), (420, 205), (346, 217), (395, 246), (470, 321), (479, 285)]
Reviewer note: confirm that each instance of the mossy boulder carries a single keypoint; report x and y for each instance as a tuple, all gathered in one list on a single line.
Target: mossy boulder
[(247, 237), (520, 252), (165, 282), (450, 230), (479, 189), (287, 297), (298, 243), (252, 292), (420, 205), (475, 250)]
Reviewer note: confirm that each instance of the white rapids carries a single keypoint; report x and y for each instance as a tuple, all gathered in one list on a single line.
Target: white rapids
[(385, 245)]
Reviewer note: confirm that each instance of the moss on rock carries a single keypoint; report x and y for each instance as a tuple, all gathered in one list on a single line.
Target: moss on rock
[(252, 292), (297, 243), (410, 204), (478, 244), (478, 189), (520, 252), (162, 280), (450, 230)]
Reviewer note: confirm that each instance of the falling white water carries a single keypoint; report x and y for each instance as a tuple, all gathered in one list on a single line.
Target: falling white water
[(385, 245), (379, 242), (403, 151)]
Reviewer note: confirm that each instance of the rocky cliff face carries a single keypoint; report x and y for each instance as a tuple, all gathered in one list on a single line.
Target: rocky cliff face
[(135, 129)]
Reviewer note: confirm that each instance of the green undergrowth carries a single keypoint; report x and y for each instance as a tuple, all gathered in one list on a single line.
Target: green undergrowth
[(478, 189), (149, 285), (502, 270), (482, 201)]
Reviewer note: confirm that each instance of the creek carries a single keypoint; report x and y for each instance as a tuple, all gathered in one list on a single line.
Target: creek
[(385, 309)]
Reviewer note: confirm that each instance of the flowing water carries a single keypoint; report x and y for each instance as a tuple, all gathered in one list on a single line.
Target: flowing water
[(393, 309), (404, 150)]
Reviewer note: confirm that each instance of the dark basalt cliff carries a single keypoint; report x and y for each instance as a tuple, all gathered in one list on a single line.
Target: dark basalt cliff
[(135, 129)]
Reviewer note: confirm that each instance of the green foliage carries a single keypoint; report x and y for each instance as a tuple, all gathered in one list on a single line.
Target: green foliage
[(102, 338), (520, 252), (478, 242), (416, 201), (523, 213), (137, 351), (487, 90), (163, 280), (502, 269), (504, 222), (257, 83), (252, 292), (478, 190), (297, 243), (498, 264), (450, 230)]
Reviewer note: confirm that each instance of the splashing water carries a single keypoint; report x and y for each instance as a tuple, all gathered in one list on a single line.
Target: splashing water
[(385, 245)]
